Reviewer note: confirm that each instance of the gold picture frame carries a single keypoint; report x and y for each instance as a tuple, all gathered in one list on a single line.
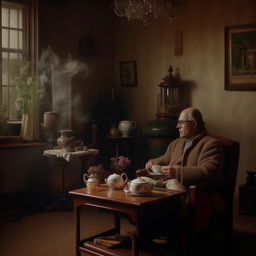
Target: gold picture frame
[(240, 58)]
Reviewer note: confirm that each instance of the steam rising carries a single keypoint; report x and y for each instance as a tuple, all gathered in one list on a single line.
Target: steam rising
[(56, 82)]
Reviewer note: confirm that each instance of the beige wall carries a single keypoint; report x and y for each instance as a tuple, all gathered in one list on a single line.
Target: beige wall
[(230, 113), (61, 25)]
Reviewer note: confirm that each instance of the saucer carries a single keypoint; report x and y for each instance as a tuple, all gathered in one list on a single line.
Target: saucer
[(156, 173)]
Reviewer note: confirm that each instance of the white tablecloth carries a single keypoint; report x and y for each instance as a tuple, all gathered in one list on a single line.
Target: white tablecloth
[(70, 155)]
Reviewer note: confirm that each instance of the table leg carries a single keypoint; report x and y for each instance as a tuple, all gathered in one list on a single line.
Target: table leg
[(77, 211), (117, 223)]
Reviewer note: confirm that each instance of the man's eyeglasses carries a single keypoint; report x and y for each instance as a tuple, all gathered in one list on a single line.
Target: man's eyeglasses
[(182, 122)]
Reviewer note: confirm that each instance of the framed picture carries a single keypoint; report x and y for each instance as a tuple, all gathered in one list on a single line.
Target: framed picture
[(240, 58), (128, 73)]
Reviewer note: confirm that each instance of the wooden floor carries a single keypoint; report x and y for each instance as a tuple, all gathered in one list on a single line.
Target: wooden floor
[(52, 233)]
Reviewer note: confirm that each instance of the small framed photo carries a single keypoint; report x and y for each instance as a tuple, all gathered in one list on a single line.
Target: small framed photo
[(240, 58), (128, 73)]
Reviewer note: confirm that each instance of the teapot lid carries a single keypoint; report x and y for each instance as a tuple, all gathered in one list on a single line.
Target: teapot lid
[(113, 175), (139, 180), (91, 179)]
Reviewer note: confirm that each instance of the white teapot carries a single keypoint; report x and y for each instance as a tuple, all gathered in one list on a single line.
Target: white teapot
[(140, 186), (116, 181)]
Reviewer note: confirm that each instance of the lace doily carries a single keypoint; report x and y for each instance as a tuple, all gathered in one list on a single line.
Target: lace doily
[(69, 155)]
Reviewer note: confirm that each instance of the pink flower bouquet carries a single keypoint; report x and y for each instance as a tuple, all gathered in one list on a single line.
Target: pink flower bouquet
[(119, 164)]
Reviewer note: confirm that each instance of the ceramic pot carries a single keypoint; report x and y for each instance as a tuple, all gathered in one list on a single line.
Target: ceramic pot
[(161, 129), (65, 140), (140, 186), (126, 127), (116, 181), (114, 131)]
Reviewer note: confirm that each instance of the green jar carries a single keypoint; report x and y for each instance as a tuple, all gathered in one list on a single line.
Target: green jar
[(160, 129)]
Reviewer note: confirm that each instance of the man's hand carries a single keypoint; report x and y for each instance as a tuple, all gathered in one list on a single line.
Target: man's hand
[(169, 171), (149, 165)]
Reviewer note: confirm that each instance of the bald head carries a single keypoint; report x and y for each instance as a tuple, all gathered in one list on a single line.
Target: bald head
[(190, 122), (194, 114)]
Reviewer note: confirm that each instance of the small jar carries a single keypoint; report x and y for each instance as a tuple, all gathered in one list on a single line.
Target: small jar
[(91, 185), (114, 131)]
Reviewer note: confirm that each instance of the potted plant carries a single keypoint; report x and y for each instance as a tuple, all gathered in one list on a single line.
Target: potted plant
[(27, 96)]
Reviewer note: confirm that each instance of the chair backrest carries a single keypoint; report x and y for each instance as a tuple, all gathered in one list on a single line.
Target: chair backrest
[(200, 194), (230, 165), (204, 212)]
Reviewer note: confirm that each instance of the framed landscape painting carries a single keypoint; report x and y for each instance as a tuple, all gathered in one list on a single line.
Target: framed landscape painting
[(128, 73), (240, 58)]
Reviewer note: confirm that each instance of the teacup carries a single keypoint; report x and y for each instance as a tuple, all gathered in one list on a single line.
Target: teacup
[(157, 168)]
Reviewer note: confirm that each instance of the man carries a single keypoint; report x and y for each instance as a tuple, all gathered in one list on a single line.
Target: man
[(193, 158)]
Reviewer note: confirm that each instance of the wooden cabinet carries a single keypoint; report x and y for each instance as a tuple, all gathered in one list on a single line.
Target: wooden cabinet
[(21, 173)]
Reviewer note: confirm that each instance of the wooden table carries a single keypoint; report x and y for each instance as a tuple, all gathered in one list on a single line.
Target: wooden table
[(137, 209)]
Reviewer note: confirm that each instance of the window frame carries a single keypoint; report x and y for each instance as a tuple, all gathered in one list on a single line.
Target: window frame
[(30, 39)]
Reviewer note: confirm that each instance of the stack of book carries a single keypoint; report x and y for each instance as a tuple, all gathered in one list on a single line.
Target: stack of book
[(114, 241)]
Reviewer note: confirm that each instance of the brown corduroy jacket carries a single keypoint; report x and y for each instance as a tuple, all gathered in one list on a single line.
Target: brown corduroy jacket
[(201, 162)]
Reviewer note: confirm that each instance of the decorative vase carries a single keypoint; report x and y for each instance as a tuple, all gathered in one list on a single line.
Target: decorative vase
[(65, 137), (114, 131), (27, 127), (126, 127), (50, 125)]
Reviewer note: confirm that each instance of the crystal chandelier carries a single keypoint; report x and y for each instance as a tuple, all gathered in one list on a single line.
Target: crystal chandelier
[(146, 9)]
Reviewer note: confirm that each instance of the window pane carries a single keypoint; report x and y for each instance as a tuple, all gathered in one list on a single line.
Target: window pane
[(4, 68), (5, 38), (13, 66), (12, 99), (14, 39), (5, 96), (5, 17), (20, 40), (13, 18), (20, 19)]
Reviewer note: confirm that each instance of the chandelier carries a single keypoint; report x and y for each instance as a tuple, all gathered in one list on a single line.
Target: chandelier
[(146, 9)]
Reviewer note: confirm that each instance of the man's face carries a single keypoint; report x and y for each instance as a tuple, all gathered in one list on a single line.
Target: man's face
[(186, 125)]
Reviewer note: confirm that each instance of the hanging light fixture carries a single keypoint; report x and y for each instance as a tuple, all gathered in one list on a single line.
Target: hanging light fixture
[(146, 9)]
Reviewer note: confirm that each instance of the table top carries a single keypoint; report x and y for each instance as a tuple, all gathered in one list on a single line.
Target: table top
[(103, 193), (69, 155)]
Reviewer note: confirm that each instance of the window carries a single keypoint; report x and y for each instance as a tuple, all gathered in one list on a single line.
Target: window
[(17, 46)]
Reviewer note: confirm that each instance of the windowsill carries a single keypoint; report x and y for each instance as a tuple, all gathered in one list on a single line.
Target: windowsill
[(14, 122), (10, 139), (17, 141)]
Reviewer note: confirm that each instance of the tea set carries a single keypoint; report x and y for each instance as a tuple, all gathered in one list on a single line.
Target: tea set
[(141, 186)]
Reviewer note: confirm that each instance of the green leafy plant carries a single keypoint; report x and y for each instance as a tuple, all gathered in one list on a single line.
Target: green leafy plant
[(27, 92)]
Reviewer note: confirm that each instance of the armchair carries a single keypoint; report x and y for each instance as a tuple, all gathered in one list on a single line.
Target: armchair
[(201, 196), (204, 215)]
